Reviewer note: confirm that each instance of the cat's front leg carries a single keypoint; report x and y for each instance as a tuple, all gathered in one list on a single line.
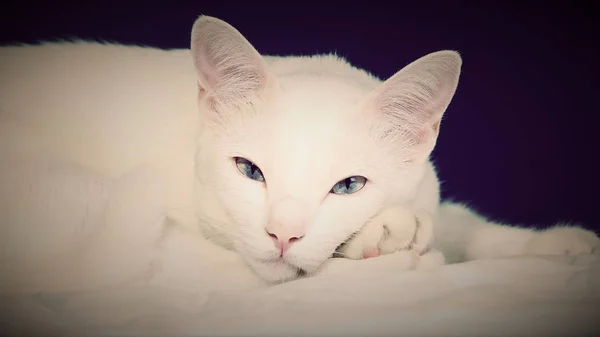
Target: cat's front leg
[(464, 235), (394, 229)]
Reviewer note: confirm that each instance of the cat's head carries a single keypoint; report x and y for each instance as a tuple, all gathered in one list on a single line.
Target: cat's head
[(298, 153)]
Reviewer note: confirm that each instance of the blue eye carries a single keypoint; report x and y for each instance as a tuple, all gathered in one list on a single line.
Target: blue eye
[(249, 169), (349, 185)]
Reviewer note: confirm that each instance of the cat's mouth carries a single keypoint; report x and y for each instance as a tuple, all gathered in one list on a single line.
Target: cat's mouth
[(297, 261), (275, 270), (290, 262)]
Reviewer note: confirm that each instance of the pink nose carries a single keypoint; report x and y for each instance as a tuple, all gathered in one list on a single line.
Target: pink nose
[(284, 237)]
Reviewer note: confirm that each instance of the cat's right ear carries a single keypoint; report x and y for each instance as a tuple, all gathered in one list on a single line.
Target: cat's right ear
[(228, 67), (409, 106)]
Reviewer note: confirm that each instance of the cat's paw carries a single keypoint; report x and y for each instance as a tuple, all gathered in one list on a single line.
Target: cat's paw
[(563, 240), (394, 229)]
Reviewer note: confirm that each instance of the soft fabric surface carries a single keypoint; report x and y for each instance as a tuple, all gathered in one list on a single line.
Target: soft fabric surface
[(542, 296), (525, 296)]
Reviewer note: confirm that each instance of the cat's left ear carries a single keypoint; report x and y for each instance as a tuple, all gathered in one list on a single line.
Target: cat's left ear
[(229, 68), (409, 105)]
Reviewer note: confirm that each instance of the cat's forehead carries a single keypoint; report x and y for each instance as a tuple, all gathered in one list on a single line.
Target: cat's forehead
[(312, 109), (315, 125), (321, 66), (314, 93), (311, 98)]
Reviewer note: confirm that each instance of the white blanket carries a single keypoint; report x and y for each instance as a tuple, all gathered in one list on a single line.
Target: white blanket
[(529, 296), (525, 296)]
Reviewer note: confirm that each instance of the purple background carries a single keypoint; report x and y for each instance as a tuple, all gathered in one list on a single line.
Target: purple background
[(518, 142)]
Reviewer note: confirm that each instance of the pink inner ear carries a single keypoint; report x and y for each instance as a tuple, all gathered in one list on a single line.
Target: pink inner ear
[(208, 76)]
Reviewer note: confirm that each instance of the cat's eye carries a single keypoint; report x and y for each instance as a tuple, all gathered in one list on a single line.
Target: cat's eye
[(249, 169), (349, 185)]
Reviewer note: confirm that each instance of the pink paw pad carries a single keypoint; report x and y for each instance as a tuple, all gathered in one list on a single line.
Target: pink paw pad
[(370, 252)]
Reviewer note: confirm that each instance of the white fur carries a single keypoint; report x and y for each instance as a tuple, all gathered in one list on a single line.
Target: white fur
[(307, 122), (395, 228), (399, 231)]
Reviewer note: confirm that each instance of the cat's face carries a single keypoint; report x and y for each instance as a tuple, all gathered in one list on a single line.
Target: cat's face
[(299, 162)]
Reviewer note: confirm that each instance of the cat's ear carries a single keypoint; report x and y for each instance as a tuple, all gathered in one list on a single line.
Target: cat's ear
[(229, 68), (411, 103)]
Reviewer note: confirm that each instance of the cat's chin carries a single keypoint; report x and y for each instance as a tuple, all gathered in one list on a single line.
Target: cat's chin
[(302, 259), (275, 271)]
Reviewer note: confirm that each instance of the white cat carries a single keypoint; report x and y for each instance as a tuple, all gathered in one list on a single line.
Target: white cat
[(280, 159)]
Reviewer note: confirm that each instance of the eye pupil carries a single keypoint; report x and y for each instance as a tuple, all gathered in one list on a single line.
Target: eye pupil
[(348, 182)]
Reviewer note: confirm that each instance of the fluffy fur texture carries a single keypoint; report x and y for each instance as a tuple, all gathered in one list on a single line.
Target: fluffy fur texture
[(306, 122), (392, 230)]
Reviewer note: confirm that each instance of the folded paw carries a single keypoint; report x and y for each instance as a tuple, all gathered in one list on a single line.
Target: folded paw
[(563, 240), (394, 229)]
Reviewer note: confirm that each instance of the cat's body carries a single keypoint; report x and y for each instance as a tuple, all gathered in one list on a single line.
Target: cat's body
[(306, 123)]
